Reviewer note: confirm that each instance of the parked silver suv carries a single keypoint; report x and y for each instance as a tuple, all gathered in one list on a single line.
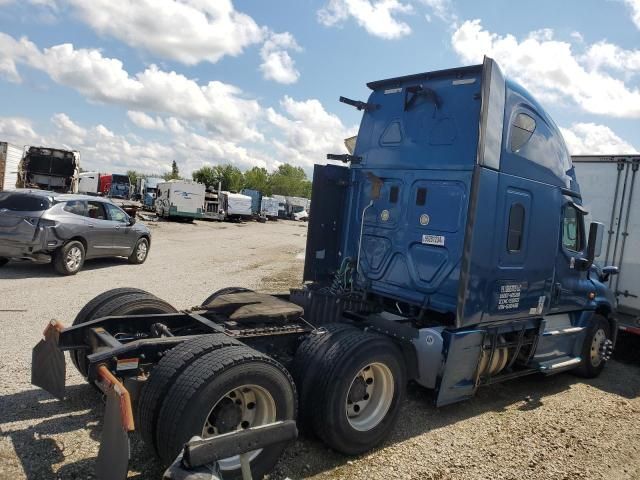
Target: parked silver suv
[(66, 229)]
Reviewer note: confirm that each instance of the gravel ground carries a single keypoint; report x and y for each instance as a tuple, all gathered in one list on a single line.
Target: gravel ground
[(534, 427)]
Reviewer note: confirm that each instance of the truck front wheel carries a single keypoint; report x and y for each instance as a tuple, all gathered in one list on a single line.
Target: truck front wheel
[(596, 349), (360, 387)]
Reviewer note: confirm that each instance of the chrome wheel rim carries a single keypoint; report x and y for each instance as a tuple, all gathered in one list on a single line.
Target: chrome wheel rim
[(141, 253), (596, 347), (241, 408), (369, 397), (73, 259)]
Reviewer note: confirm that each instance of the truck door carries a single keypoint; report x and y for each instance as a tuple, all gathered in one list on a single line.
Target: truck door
[(571, 285), (99, 231)]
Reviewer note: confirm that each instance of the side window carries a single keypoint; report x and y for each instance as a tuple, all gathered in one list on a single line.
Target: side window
[(77, 207), (421, 197), (516, 226), (116, 214), (521, 131), (96, 210), (572, 229), (393, 194)]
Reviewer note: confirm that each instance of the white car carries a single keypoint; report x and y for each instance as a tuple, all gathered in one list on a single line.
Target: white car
[(301, 216)]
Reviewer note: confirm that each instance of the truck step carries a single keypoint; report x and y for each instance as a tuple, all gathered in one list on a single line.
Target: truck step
[(560, 363), (563, 331)]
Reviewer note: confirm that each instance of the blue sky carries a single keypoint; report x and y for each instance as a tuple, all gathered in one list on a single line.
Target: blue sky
[(135, 84)]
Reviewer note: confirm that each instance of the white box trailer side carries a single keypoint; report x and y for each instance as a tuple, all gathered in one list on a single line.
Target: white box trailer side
[(610, 188), (180, 199), (238, 205), (10, 157)]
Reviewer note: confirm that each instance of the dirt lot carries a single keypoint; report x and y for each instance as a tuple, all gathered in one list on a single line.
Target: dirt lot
[(558, 427)]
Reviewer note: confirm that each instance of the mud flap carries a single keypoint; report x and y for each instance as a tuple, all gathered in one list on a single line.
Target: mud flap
[(113, 456), (458, 381), (48, 369)]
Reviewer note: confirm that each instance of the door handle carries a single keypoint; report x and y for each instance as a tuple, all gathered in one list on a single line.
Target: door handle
[(90, 225)]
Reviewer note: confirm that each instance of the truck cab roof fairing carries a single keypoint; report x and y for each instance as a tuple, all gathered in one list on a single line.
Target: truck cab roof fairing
[(492, 115)]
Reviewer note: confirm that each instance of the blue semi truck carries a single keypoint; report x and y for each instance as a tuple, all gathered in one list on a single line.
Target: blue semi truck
[(451, 251)]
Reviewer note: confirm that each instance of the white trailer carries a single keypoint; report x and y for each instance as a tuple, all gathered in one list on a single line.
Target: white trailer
[(270, 207), (10, 157), (611, 188), (89, 183), (180, 199), (238, 205)]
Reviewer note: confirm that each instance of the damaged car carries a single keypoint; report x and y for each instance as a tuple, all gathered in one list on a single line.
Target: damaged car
[(67, 229)]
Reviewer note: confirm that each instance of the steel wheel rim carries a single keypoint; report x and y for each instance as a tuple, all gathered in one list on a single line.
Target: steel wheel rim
[(255, 407), (596, 346), (366, 409), (73, 258), (142, 251)]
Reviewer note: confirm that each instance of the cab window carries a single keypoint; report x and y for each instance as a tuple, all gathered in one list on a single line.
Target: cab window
[(572, 229), (116, 214), (96, 211)]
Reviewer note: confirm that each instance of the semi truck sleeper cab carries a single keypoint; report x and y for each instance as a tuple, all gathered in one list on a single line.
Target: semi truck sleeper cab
[(451, 251)]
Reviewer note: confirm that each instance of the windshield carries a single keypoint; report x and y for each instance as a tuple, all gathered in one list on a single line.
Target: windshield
[(23, 202)]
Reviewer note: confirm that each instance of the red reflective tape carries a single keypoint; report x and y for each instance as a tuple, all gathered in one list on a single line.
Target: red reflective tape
[(126, 411)]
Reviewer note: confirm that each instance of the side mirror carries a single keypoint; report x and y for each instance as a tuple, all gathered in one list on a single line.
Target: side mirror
[(132, 221), (594, 245), (607, 272)]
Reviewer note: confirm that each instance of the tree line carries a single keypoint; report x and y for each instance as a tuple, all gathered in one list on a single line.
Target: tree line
[(285, 180)]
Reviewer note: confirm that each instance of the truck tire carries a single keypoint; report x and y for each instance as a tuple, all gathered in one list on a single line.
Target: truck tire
[(140, 251), (128, 304), (163, 376), (306, 362), (594, 349), (69, 259), (87, 312), (360, 386), (223, 291), (3, 261), (220, 392)]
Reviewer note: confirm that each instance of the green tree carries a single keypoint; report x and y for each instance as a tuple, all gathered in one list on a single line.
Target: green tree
[(289, 180), (134, 176), (206, 175), (231, 177), (258, 179), (174, 174)]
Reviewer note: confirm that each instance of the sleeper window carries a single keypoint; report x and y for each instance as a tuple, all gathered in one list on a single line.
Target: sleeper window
[(521, 131), (421, 197), (516, 225)]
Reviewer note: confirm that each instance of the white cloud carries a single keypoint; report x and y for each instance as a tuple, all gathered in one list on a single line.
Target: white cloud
[(277, 64), (634, 5), (549, 69), (17, 130), (376, 16), (189, 31), (142, 120), (221, 106), (590, 139), (605, 54), (73, 133), (443, 9), (310, 132)]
